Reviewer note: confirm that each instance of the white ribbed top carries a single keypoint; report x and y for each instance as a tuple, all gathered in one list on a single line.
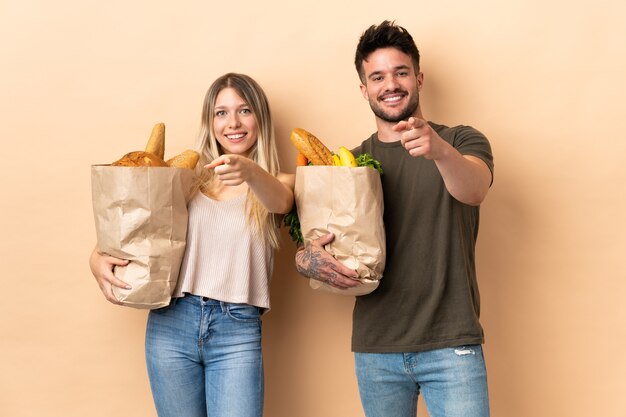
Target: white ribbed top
[(225, 259)]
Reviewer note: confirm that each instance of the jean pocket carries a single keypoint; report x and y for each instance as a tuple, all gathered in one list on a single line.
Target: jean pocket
[(243, 312), (165, 309)]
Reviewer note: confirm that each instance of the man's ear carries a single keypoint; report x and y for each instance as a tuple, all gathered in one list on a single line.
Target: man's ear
[(364, 92), (420, 81)]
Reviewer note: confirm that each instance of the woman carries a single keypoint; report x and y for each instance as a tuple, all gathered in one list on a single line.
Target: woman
[(203, 351)]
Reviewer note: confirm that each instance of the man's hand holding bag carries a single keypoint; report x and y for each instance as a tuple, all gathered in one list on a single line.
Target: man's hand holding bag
[(334, 195)]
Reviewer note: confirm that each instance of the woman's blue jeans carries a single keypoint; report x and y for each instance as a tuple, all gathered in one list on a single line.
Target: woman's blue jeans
[(204, 359), (452, 380)]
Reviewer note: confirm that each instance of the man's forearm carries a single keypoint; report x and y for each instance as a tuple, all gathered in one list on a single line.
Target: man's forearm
[(467, 178)]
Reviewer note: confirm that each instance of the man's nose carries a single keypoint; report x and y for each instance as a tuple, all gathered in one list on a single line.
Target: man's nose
[(391, 83)]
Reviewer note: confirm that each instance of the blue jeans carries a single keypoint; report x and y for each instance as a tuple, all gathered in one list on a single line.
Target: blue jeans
[(453, 381), (204, 359)]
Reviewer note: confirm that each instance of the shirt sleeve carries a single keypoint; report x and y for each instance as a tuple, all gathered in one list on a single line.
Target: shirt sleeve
[(469, 141)]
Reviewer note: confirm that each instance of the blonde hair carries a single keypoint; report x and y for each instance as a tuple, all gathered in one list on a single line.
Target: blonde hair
[(263, 152)]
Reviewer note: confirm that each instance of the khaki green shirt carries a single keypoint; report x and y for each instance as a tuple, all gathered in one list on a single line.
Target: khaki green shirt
[(428, 297)]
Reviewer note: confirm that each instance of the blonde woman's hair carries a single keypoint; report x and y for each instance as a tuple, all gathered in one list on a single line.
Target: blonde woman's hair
[(263, 152)]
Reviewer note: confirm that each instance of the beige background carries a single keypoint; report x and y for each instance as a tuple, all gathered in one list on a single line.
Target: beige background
[(83, 82)]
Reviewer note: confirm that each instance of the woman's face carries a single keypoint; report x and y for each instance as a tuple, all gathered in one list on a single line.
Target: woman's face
[(234, 124)]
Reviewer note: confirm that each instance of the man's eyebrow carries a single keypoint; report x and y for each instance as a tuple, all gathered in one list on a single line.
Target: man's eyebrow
[(399, 67)]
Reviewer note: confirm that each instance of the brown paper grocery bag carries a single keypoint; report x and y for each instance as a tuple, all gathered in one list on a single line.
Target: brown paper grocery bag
[(348, 202), (141, 215)]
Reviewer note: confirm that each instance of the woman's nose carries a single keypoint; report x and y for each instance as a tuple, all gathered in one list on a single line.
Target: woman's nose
[(234, 121)]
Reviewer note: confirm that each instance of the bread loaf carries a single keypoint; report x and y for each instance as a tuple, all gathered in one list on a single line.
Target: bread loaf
[(156, 143), (139, 159), (153, 156), (187, 159), (311, 147)]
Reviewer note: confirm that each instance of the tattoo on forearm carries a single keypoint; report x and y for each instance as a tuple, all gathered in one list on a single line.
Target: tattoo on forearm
[(309, 262)]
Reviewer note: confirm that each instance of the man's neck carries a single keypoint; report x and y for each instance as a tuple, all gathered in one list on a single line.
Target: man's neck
[(386, 133)]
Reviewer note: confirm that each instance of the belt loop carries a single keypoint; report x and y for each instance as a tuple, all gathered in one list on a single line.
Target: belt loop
[(223, 306)]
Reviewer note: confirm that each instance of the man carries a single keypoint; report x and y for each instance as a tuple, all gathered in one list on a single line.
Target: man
[(419, 331)]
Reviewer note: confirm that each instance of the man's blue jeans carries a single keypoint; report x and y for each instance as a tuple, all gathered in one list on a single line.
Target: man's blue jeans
[(204, 359), (452, 380)]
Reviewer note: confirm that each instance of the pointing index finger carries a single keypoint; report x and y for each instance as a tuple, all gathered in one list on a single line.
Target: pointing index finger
[(222, 160), (400, 126), (415, 123)]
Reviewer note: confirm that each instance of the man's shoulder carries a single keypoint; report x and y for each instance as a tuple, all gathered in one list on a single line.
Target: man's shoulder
[(366, 145), (454, 130), (461, 136)]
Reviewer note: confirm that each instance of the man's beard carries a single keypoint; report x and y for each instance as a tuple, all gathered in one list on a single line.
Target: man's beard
[(407, 112)]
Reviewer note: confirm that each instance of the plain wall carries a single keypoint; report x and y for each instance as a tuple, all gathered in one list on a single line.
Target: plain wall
[(83, 82)]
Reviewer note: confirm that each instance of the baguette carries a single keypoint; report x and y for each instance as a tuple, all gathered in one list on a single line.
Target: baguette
[(156, 143), (311, 147)]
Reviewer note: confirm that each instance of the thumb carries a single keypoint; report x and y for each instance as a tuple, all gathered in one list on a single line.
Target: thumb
[(324, 239), (119, 262)]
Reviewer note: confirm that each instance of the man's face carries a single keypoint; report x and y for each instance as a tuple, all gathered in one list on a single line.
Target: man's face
[(391, 86)]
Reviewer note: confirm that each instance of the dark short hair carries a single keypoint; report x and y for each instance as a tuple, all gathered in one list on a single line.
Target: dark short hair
[(385, 35)]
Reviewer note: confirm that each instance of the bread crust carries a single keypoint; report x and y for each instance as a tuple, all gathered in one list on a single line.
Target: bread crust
[(311, 147), (139, 159), (186, 159), (156, 142)]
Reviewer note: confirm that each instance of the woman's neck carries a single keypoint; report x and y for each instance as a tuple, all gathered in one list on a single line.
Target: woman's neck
[(222, 192)]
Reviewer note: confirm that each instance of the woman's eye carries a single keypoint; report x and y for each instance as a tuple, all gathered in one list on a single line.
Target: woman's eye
[(246, 111), (220, 113)]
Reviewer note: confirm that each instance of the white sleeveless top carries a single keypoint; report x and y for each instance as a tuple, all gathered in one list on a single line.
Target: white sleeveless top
[(225, 259)]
